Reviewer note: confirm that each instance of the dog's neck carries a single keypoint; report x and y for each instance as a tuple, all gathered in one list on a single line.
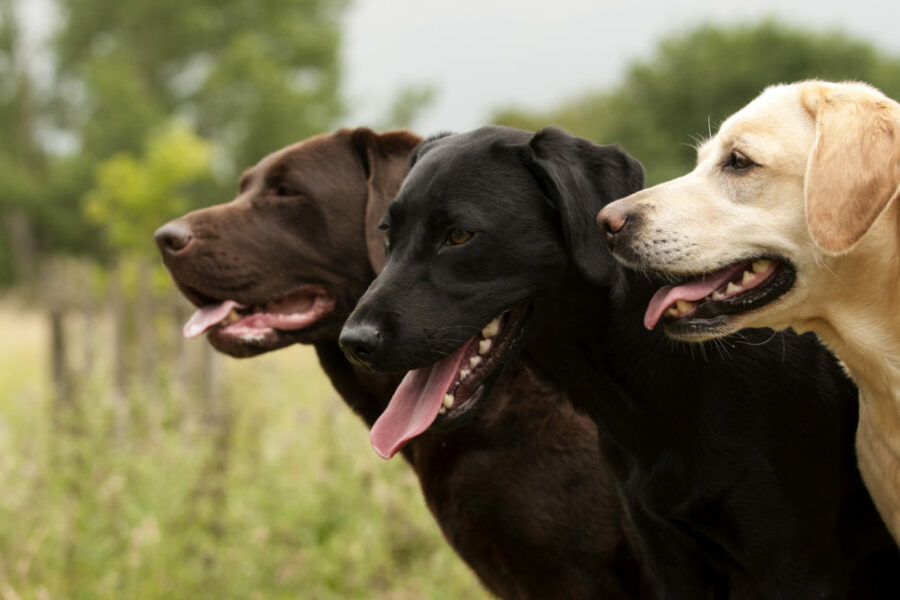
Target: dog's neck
[(365, 392), (857, 316), (603, 359), (368, 393), (854, 307)]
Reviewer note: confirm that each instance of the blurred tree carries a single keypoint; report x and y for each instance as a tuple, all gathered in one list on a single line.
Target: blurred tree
[(20, 159), (252, 75), (678, 97), (134, 195), (408, 103), (248, 75)]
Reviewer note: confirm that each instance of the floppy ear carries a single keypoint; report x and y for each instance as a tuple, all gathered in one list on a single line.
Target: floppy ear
[(579, 178), (385, 159), (853, 169)]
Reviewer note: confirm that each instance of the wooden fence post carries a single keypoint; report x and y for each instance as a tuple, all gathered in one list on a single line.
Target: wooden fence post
[(118, 316)]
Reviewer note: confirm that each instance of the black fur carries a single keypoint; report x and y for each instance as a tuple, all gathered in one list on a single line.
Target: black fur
[(735, 460), (533, 520)]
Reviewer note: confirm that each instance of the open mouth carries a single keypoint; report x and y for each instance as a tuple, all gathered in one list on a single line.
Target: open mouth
[(445, 393), (232, 320), (705, 301)]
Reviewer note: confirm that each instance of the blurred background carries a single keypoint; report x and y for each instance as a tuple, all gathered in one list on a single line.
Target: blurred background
[(134, 464)]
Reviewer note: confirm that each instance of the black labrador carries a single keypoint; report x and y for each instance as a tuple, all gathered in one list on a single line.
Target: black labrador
[(735, 461), (286, 262)]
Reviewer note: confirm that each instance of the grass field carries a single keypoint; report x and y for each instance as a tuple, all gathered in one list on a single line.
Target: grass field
[(279, 497)]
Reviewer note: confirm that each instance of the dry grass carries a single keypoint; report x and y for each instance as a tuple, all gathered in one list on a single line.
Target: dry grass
[(280, 498)]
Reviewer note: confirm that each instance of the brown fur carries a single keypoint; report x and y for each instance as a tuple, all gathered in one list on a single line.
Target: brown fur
[(520, 491)]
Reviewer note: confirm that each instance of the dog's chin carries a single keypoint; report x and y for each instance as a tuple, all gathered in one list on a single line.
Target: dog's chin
[(239, 347), (733, 305), (701, 330), (243, 346)]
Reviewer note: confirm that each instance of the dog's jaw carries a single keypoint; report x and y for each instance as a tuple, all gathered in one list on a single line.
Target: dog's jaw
[(717, 303), (248, 326), (445, 395)]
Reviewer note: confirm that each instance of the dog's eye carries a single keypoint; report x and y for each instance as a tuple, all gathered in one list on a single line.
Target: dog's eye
[(738, 162), (386, 234), (457, 237)]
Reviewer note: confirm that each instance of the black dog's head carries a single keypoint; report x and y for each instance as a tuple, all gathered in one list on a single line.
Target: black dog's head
[(484, 225), (286, 260)]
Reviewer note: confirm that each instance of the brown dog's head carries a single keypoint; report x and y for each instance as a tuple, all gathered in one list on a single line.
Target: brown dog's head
[(287, 259), (782, 214)]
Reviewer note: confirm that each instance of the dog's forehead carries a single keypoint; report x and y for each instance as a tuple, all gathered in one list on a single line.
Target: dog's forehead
[(419, 184), (427, 189), (771, 126), (281, 155), (323, 169), (478, 173), (451, 169), (267, 165)]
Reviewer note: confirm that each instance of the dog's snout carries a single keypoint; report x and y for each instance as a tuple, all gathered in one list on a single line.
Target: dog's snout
[(612, 218), (360, 342), (173, 237)]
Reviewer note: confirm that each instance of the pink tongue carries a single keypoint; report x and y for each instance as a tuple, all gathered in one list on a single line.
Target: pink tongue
[(668, 295), (415, 404), (208, 316)]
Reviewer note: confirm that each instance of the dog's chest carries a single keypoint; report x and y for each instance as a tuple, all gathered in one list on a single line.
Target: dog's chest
[(878, 450)]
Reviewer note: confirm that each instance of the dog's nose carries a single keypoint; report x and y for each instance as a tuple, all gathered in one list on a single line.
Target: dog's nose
[(612, 219), (360, 342), (173, 237)]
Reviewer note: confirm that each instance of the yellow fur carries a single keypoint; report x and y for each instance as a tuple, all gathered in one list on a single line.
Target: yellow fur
[(828, 157)]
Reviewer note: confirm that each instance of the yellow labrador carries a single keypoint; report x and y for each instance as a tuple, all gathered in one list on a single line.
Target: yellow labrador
[(788, 221)]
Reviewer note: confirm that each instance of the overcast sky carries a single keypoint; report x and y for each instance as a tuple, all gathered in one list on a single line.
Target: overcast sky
[(481, 55), (484, 54)]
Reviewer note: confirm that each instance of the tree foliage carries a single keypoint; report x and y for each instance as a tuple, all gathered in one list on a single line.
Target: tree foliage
[(248, 76), (133, 195), (251, 75), (18, 159), (694, 81)]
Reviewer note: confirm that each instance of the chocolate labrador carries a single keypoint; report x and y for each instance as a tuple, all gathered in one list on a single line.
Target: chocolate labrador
[(518, 489), (735, 461)]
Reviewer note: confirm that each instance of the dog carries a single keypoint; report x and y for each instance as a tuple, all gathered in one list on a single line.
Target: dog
[(286, 261), (791, 205), (735, 462)]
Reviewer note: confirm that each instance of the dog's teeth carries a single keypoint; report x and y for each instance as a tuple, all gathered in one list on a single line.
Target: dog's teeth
[(761, 265), (672, 312), (463, 374), (484, 346), (447, 401), (442, 410), (717, 295), (491, 329), (732, 289), (748, 277), (232, 317), (474, 361), (684, 306)]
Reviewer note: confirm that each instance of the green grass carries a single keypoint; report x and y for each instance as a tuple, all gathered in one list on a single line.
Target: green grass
[(272, 492)]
